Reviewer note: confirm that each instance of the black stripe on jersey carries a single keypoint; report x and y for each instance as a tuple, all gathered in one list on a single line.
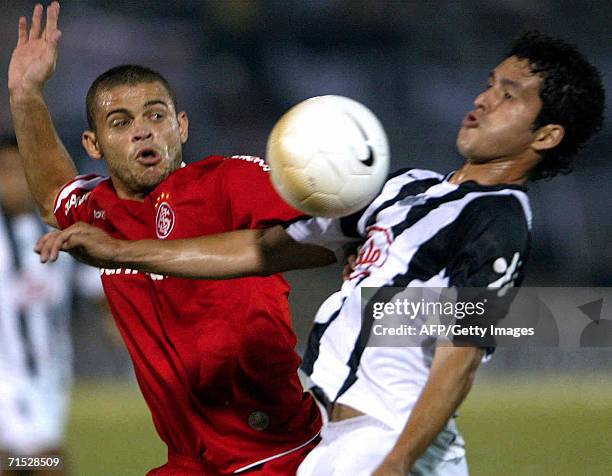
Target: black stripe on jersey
[(418, 212), (412, 188), (12, 241), (384, 294), (441, 244), (28, 346), (314, 341), (348, 224)]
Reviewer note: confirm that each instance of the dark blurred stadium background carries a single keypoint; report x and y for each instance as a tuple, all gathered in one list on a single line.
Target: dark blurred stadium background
[(237, 65)]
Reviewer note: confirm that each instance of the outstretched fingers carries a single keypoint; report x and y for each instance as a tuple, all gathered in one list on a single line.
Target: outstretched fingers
[(51, 33), (50, 245), (22, 35), (36, 29)]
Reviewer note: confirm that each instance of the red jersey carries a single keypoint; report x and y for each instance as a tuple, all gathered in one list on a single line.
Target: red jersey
[(214, 358)]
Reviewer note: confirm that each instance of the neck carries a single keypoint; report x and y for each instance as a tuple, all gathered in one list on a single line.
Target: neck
[(125, 194), (514, 171)]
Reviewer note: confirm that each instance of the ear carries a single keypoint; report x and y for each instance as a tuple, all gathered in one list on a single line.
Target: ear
[(548, 137), (183, 122), (91, 145)]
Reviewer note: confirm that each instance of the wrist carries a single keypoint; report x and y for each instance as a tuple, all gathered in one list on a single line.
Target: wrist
[(122, 252), (24, 94), (401, 461)]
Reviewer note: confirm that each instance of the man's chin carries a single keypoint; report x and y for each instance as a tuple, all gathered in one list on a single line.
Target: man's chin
[(150, 179)]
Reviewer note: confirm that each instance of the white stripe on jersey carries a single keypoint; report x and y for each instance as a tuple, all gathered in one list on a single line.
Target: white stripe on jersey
[(35, 306), (79, 182), (391, 189), (388, 380)]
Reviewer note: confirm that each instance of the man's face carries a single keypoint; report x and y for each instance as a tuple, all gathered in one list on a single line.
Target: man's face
[(140, 135), (500, 126), (15, 196)]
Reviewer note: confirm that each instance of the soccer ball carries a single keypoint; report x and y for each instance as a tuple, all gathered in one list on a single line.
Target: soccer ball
[(328, 156)]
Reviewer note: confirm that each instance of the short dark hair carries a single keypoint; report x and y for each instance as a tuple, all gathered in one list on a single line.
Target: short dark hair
[(126, 74), (572, 96)]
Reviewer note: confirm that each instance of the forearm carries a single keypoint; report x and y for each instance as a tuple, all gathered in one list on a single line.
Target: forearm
[(234, 254), (46, 162), (208, 257), (449, 382)]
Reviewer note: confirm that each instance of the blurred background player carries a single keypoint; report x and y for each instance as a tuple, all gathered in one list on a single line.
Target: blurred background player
[(35, 309)]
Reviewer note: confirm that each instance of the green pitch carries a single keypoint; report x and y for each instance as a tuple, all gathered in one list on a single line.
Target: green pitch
[(522, 426)]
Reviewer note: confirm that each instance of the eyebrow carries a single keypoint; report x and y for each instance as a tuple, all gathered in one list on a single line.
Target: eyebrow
[(506, 81), (116, 111), (152, 102)]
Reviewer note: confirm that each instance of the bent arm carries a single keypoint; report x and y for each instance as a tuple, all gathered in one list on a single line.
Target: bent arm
[(47, 164), (450, 380), (228, 255)]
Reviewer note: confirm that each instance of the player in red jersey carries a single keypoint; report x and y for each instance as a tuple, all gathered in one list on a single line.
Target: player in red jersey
[(214, 359)]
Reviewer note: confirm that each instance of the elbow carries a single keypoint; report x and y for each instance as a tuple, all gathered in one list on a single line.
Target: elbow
[(49, 218), (47, 215)]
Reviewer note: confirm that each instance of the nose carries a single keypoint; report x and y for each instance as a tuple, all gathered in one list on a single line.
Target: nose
[(141, 132), (482, 101)]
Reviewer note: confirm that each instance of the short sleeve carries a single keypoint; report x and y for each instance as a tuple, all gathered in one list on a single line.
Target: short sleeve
[(247, 196), (489, 262), (332, 233), (493, 246), (72, 203)]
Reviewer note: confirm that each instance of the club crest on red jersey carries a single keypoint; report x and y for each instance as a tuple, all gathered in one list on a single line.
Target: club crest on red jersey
[(165, 218)]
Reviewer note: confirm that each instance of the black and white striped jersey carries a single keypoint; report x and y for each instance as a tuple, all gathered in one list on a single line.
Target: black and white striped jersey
[(420, 231), (34, 306), (35, 343)]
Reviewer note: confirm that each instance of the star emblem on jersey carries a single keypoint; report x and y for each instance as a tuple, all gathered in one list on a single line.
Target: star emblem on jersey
[(165, 218)]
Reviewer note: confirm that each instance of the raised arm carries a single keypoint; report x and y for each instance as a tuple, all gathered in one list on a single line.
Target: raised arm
[(228, 255), (47, 164)]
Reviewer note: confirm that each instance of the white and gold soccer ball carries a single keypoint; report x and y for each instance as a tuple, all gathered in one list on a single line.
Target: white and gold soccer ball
[(328, 156)]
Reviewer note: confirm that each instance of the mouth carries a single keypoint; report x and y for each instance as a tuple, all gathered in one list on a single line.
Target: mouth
[(148, 156), (470, 120)]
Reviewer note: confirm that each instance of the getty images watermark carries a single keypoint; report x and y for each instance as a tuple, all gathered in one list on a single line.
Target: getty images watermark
[(534, 317)]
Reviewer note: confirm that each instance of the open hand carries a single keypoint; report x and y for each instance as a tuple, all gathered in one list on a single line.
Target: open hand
[(34, 57), (84, 242)]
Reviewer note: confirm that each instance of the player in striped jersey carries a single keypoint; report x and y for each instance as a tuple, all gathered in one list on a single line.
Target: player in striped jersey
[(392, 408), (35, 304)]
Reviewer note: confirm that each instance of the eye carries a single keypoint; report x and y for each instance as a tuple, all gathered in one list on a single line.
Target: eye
[(157, 116), (489, 86), (507, 95), (120, 122)]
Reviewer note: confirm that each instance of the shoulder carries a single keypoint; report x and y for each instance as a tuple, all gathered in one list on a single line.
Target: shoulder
[(502, 203), (219, 165), (243, 172), (81, 186), (245, 164), (83, 182), (411, 174)]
